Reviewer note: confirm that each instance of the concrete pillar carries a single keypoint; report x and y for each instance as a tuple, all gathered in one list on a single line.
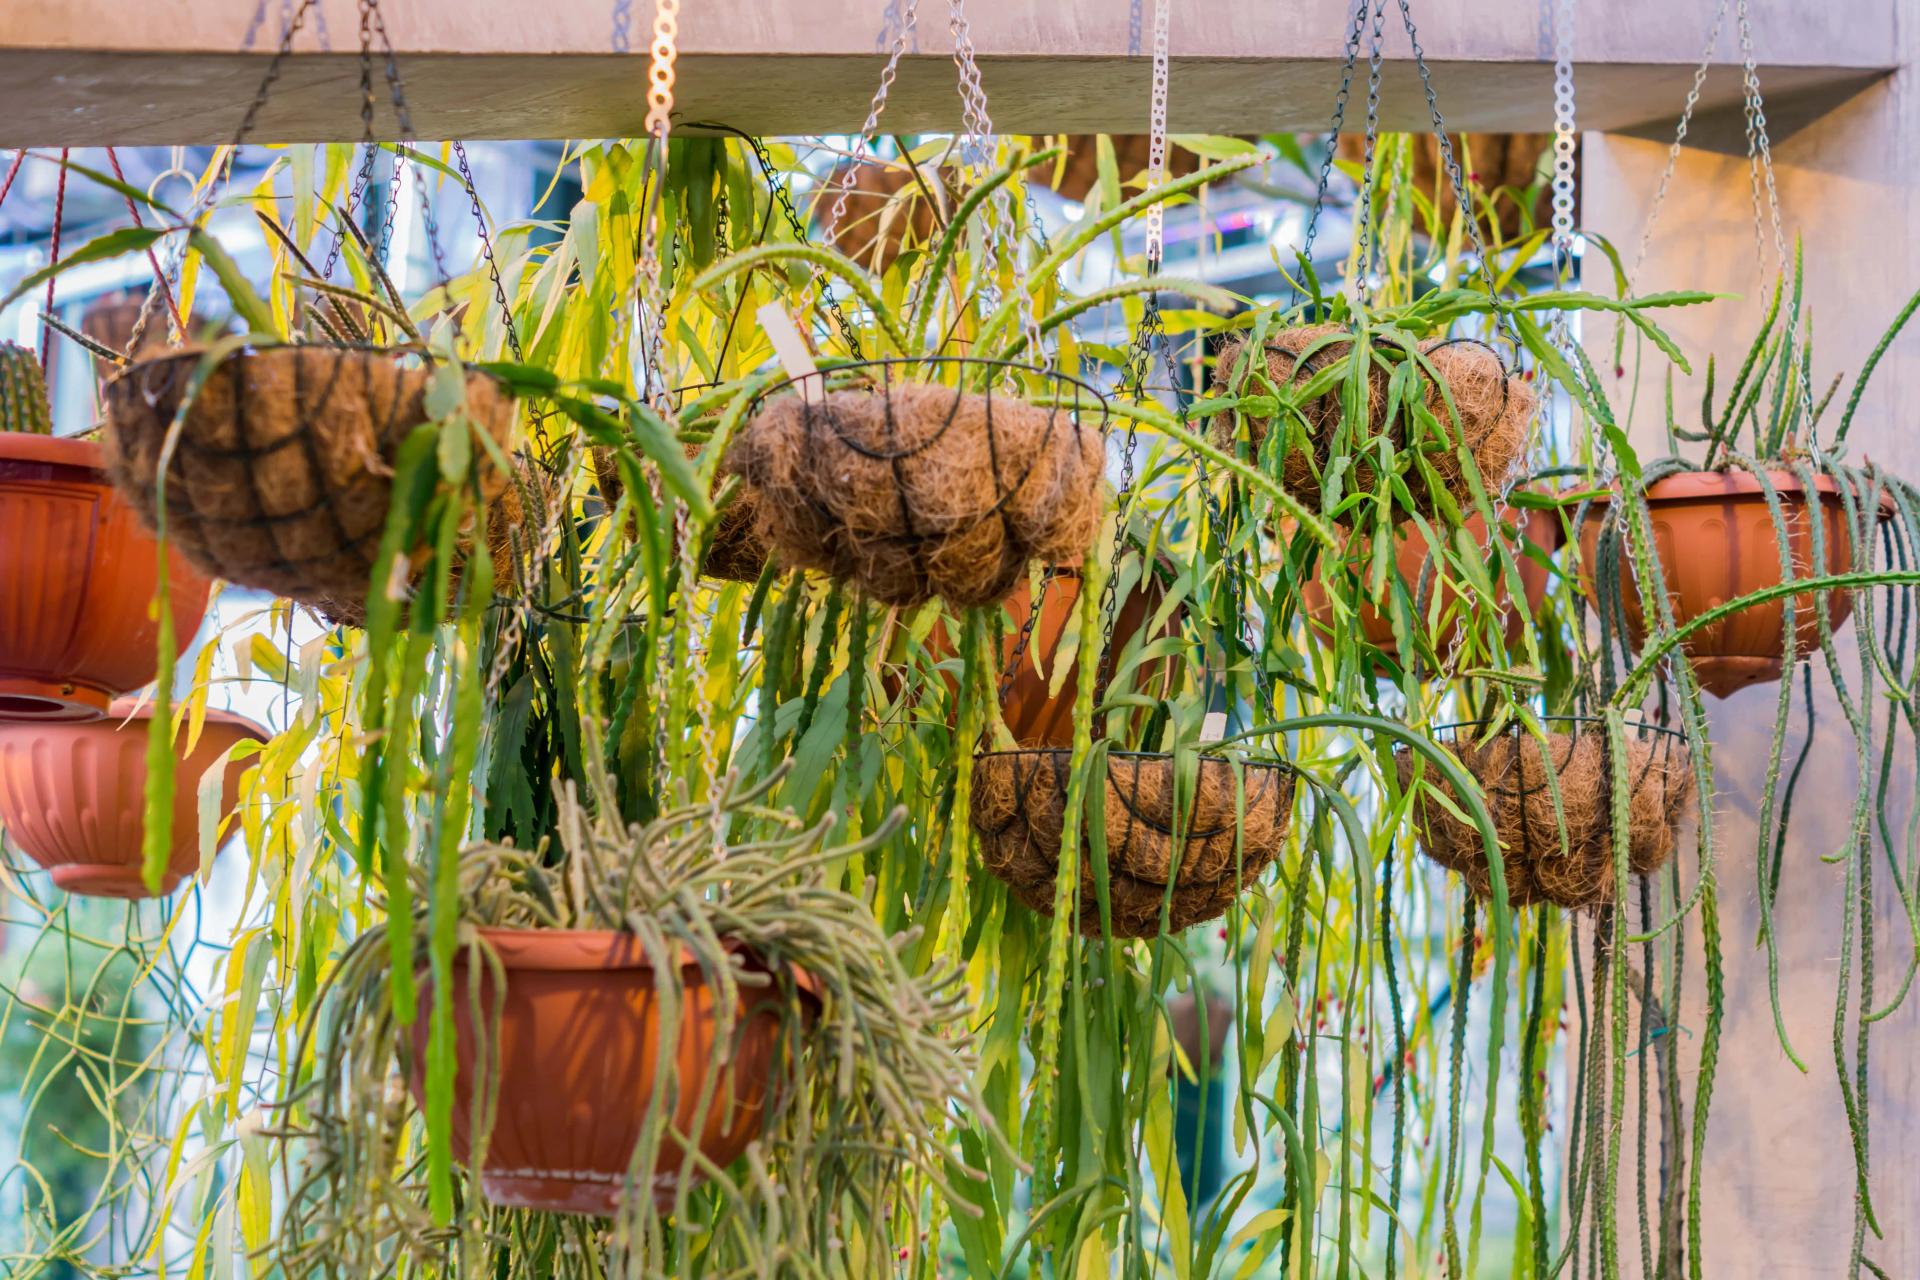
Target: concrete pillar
[(1777, 1198)]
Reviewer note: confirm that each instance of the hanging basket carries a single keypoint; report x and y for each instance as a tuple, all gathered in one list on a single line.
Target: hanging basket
[(737, 553), (1512, 773), (1229, 830), (579, 1055), (914, 490), (1494, 411), (73, 796), (1715, 538), (1035, 715), (283, 470), (77, 576), (1538, 531)]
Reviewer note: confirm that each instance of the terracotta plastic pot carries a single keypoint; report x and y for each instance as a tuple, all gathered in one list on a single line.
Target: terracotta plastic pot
[(1715, 539), (73, 796), (77, 573), (579, 1045), (1538, 527), (1035, 716)]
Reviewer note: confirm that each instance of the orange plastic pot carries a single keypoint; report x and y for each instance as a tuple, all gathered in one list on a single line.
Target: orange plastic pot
[(1035, 715), (77, 572), (1716, 542), (1537, 527), (73, 796), (579, 1039)]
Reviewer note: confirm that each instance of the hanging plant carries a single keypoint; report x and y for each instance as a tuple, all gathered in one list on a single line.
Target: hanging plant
[(1184, 834), (77, 572), (1439, 409), (279, 476), (632, 1012), (913, 490), (1746, 520), (1036, 697), (73, 796), (1434, 593), (1551, 797)]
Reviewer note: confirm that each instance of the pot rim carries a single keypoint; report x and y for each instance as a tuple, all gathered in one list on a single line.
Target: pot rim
[(1696, 486), (604, 950), (56, 451)]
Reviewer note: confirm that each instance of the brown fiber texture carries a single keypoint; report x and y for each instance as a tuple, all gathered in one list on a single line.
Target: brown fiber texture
[(737, 553), (1494, 412), (1512, 771), (283, 469), (1019, 813), (918, 491)]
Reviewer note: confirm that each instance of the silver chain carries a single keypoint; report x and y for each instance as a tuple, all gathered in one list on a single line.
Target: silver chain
[(1563, 137), (1157, 136), (902, 23), (1679, 140)]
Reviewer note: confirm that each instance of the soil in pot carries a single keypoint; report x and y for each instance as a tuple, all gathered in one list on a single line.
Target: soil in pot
[(1513, 771), (916, 491), (1494, 411), (1715, 538), (1229, 831), (579, 1041), (1034, 714), (283, 473), (1537, 529), (77, 574), (73, 796)]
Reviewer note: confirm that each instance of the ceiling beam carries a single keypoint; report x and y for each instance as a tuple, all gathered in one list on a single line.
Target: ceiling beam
[(153, 72)]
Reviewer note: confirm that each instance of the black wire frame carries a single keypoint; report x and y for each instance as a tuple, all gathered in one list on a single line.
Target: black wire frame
[(1057, 764), (157, 386), (858, 376)]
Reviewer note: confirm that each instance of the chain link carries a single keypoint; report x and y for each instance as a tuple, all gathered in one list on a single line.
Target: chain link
[(902, 23), (623, 26), (1157, 135), (486, 250), (784, 200), (1564, 139), (1354, 34)]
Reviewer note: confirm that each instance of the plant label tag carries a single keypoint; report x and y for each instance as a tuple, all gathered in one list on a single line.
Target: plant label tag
[(790, 349), (1213, 726)]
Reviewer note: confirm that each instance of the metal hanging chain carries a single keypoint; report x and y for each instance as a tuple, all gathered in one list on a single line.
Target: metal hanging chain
[(1152, 330), (486, 250), (902, 32), (784, 200), (1679, 140), (977, 151), (1347, 68), (1759, 163), (622, 26), (1503, 321), (1363, 204), (1157, 135), (1564, 142)]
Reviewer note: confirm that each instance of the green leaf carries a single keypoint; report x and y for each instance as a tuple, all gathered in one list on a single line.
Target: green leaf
[(455, 448), (111, 245)]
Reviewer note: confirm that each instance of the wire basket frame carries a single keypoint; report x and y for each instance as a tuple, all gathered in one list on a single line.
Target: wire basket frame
[(282, 472), (914, 487), (1235, 823), (1552, 808)]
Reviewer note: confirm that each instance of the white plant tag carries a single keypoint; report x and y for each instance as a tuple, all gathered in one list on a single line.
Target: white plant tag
[(1213, 726), (790, 349)]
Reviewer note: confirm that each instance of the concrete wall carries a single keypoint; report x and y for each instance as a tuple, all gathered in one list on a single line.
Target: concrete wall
[(1779, 1170)]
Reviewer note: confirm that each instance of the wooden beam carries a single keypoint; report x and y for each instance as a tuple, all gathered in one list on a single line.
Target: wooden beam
[(146, 72)]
